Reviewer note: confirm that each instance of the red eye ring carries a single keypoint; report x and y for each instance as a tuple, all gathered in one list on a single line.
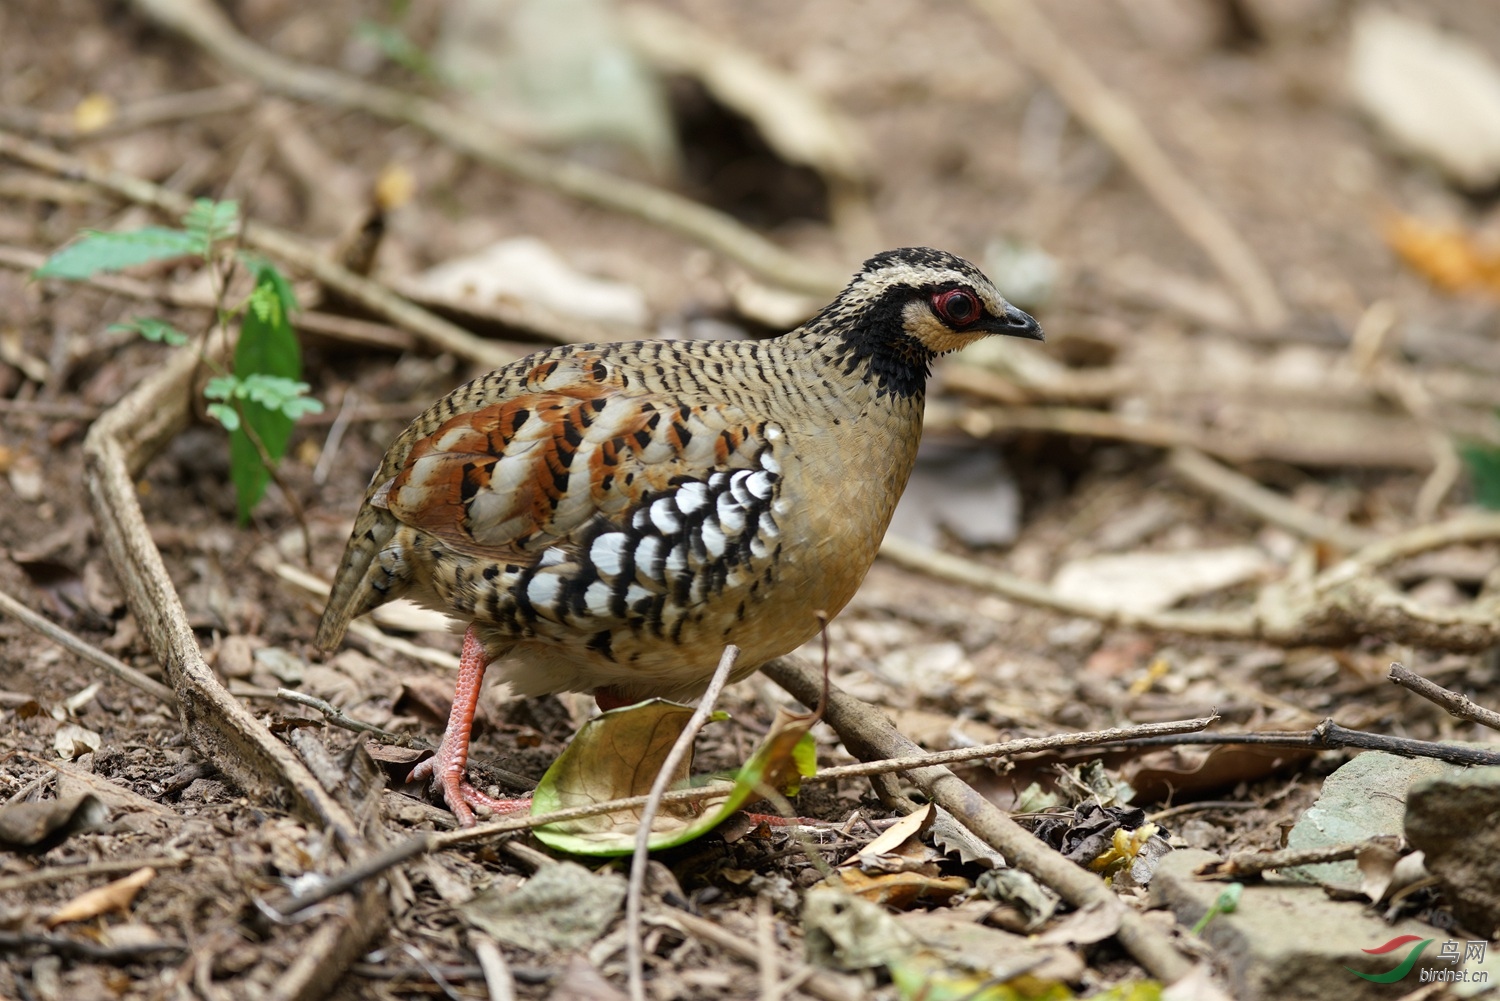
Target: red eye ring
[(959, 307)]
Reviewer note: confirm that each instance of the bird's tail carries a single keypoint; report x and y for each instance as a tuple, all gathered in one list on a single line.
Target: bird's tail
[(355, 589)]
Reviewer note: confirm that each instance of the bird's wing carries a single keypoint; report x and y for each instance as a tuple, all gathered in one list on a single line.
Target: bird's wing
[(508, 480)]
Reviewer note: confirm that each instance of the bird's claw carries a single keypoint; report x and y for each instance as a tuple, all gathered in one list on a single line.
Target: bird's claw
[(447, 778)]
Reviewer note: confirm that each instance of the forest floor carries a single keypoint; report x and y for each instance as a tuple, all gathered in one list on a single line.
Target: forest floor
[(1073, 471)]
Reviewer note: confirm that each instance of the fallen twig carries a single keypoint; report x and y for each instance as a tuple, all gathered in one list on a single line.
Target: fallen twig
[(1034, 42), (74, 948), (641, 856), (57, 873), (497, 976), (215, 723), (335, 716), (1010, 748), (1269, 506), (87, 651), (204, 25), (868, 735), (159, 110), (1344, 603), (1329, 736), (284, 246), (1452, 702), (1243, 864)]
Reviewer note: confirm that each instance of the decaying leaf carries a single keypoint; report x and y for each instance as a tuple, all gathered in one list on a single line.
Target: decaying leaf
[(1031, 903), (894, 837), (73, 741), (1447, 256), (617, 754), (1384, 871), (110, 897), (955, 839), (40, 827), (1188, 772), (899, 890), (846, 933), (564, 906)]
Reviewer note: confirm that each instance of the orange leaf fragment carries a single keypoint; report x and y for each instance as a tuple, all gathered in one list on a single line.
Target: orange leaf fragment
[(116, 896), (1449, 257)]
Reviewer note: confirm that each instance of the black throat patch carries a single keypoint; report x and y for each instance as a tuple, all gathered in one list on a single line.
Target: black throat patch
[(876, 337)]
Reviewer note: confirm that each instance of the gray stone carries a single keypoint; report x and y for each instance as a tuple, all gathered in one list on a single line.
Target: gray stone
[(1455, 821), (1362, 799), (1291, 942)]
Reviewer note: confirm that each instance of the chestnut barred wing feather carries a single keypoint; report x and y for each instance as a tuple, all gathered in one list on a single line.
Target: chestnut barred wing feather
[(515, 477)]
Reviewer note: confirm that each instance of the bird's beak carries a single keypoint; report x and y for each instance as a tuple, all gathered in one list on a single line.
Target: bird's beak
[(1016, 323)]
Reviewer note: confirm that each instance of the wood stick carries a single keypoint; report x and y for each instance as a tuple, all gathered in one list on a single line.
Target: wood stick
[(1460, 706), (203, 24), (636, 887), (868, 735), (1034, 42), (1244, 493), (87, 651)]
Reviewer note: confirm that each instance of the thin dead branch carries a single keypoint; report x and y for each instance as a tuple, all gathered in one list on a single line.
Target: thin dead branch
[(1454, 704), (205, 26), (162, 109), (497, 976), (1247, 495), (277, 243), (215, 723), (635, 892), (1243, 864), (1329, 736), (57, 634), (1034, 42), (1345, 603), (868, 736)]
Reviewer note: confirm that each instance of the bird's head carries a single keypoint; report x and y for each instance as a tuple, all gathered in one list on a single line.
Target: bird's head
[(905, 307)]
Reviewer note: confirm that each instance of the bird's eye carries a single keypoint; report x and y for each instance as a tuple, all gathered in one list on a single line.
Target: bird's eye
[(958, 306)]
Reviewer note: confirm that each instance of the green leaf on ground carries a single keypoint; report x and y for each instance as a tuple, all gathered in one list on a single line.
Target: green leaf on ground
[(96, 252), (617, 754)]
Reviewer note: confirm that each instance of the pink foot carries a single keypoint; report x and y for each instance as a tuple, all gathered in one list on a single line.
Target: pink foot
[(462, 798), (446, 768)]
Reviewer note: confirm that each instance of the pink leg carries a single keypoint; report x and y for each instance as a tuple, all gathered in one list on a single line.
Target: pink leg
[(446, 768)]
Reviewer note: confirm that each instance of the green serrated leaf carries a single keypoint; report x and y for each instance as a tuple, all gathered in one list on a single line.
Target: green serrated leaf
[(153, 329), (96, 252), (222, 387), (225, 415), (268, 363), (210, 221)]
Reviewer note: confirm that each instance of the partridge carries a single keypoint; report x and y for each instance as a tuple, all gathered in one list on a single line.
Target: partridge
[(608, 517)]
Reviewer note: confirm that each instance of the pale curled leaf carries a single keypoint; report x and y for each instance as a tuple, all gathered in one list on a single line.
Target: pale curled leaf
[(110, 897), (73, 741)]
